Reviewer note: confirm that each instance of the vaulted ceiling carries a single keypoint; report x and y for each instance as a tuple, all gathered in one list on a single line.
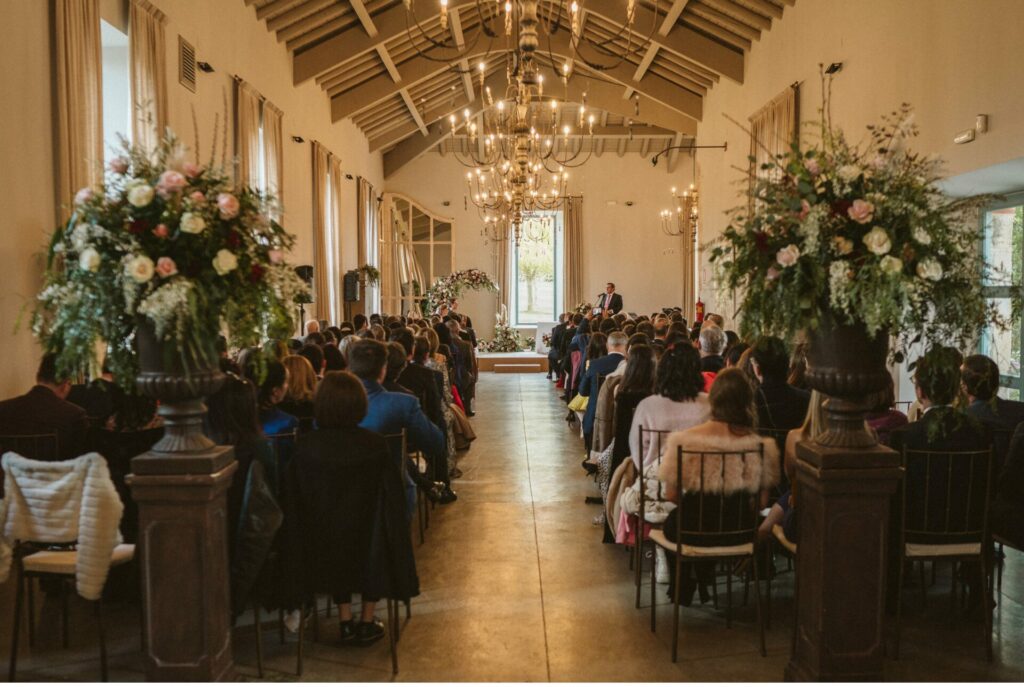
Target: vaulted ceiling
[(363, 54)]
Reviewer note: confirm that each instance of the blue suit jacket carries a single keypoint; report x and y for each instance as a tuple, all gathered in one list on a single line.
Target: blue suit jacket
[(389, 413), (588, 386)]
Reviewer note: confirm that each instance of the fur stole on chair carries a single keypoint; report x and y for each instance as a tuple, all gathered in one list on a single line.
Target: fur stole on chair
[(744, 471)]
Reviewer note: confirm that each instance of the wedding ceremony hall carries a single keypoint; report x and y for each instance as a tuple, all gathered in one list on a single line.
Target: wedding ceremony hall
[(512, 341)]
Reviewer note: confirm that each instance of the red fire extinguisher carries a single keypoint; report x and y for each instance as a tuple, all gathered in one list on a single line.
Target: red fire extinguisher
[(700, 311)]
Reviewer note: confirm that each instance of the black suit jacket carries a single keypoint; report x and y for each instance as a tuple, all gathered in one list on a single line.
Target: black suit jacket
[(1007, 514), (615, 305), (422, 383), (781, 406), (41, 411)]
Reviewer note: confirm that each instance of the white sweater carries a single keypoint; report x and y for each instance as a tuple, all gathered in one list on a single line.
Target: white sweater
[(61, 502), (661, 413)]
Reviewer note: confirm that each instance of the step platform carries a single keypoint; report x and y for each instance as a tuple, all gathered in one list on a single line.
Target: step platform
[(526, 361)]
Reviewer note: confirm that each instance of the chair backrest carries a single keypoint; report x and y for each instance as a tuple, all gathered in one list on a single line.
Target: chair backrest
[(658, 437), (715, 518), (398, 448), (946, 496), (34, 446), (281, 445)]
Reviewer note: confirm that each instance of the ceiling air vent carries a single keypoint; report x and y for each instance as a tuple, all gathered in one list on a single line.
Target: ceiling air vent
[(186, 64)]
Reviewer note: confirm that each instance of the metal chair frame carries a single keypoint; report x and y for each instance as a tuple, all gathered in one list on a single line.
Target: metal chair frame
[(967, 531), (639, 538)]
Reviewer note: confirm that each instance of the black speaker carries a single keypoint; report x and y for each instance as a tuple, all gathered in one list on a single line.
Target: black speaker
[(305, 273), (351, 283)]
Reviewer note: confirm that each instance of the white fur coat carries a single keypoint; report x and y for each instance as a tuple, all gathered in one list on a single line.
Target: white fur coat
[(743, 471), (61, 502)]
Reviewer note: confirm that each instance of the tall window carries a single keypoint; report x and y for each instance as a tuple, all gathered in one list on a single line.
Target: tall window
[(1004, 250), (538, 269), (117, 97)]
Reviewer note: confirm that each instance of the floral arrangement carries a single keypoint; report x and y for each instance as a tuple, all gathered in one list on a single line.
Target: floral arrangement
[(446, 290), (856, 234), (168, 241), (506, 338), (546, 338), (370, 274), (583, 308)]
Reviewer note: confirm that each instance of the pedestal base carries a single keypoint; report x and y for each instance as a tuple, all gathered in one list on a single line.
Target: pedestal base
[(183, 554), (843, 498)]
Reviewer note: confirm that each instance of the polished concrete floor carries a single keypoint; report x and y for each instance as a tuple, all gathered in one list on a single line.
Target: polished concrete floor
[(517, 586)]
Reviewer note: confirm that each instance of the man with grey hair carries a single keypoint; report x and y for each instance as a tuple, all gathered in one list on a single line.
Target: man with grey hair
[(712, 343), (602, 367)]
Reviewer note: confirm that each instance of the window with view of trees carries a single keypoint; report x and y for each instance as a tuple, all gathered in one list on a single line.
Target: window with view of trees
[(1004, 251), (538, 274)]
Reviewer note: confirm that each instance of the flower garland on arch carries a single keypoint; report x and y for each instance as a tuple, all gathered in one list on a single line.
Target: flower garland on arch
[(445, 290)]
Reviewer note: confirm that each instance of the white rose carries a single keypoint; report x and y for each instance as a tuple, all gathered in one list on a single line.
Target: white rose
[(877, 241), (788, 256), (848, 173), (891, 265), (224, 262), (930, 269), (922, 236), (80, 236), (192, 223), (140, 268), (89, 260), (140, 195), (842, 245)]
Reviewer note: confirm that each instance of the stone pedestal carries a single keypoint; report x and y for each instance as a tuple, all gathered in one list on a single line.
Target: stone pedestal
[(843, 497), (183, 560)]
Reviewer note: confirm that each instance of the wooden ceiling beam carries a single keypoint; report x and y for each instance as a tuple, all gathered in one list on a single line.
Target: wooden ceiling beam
[(725, 23), (364, 18), (311, 22), (416, 116), (671, 17), (285, 19), (768, 9), (645, 62), (715, 30), (456, 27), (275, 7), (741, 14)]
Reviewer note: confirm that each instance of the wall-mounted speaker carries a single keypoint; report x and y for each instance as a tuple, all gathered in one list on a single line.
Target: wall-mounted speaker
[(351, 287), (305, 273)]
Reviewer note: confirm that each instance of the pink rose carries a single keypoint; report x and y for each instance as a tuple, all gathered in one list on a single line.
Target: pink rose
[(773, 274), (861, 211), (228, 205), (805, 209), (197, 197), (84, 195), (788, 256), (160, 231), (812, 166), (119, 165), (192, 170), (275, 256), (170, 182), (165, 267)]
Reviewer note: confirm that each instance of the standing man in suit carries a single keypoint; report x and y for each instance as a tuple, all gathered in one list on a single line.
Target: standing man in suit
[(44, 410), (466, 378), (604, 365), (556, 341), (610, 302)]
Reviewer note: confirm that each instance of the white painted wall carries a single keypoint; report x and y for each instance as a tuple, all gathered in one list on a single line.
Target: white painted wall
[(623, 244)]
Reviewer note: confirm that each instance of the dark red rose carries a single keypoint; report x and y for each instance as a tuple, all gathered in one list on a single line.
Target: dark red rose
[(840, 207), (138, 226), (233, 239), (256, 273), (761, 239)]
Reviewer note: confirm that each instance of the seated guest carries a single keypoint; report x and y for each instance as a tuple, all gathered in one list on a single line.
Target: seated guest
[(733, 353), (465, 379), (1007, 510), (44, 410), (345, 522), (272, 391), (298, 399), (336, 331), (884, 418), (396, 363), (314, 339), (315, 355), (731, 339), (556, 340), (422, 382), (979, 377), (677, 404), (312, 327), (360, 323), (390, 413), (334, 361), (712, 343), (379, 333), (97, 397), (753, 470), (344, 344), (599, 366), (779, 405)]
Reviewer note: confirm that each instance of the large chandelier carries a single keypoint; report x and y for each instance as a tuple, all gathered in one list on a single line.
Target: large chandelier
[(684, 217)]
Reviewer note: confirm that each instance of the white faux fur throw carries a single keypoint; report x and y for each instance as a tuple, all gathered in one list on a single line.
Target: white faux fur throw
[(744, 470), (61, 502)]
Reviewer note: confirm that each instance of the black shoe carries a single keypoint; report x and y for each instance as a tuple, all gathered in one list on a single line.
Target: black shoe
[(589, 467), (368, 633), (348, 631), (470, 413), (447, 496), (455, 473), (435, 492), (593, 500)]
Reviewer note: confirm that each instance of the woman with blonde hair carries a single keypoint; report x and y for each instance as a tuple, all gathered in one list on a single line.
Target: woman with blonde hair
[(298, 400)]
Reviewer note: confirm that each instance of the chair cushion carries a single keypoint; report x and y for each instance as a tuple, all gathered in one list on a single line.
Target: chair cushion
[(780, 536), (932, 550), (659, 538), (64, 562)]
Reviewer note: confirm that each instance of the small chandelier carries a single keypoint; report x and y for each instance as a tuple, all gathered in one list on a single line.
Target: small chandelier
[(684, 218)]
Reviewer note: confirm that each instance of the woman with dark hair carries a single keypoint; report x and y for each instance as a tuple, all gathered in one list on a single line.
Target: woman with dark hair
[(734, 353), (346, 529), (273, 390), (678, 403), (578, 355), (747, 474), (333, 359), (884, 418)]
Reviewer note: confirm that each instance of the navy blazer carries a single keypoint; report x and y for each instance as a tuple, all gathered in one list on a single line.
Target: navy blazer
[(604, 365), (389, 413)]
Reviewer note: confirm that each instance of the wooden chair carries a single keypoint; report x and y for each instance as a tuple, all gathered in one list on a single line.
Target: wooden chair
[(719, 528), (944, 517)]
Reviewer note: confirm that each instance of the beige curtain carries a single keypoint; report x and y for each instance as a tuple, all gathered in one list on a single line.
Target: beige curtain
[(687, 273), (503, 273), (247, 133), (773, 129), (337, 188), (148, 73), (273, 155), (321, 190), (79, 100), (573, 260), (390, 280), (368, 247)]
